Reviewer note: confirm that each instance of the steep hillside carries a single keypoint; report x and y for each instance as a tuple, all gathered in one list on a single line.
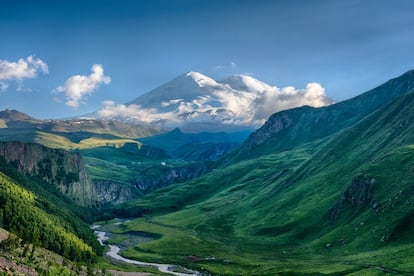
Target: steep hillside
[(18, 257), (31, 211), (125, 173), (287, 129), (116, 163), (341, 205), (60, 168)]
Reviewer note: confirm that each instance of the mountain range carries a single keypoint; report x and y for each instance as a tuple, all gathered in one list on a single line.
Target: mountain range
[(194, 102), (322, 190)]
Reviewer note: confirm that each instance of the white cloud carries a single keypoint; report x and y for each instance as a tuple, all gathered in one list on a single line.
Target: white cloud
[(238, 100), (136, 113), (22, 69), (3, 86), (272, 101), (171, 102), (78, 87)]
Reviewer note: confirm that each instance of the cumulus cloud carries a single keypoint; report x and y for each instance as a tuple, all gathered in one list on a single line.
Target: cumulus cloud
[(274, 100), (135, 113), (238, 100), (22, 69), (78, 87)]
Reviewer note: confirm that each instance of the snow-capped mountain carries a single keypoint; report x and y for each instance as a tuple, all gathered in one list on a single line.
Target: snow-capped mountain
[(195, 102)]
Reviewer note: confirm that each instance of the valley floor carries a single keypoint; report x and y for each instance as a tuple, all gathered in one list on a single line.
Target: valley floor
[(219, 256)]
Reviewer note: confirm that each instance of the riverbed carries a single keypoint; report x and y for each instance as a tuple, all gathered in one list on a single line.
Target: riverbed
[(114, 254)]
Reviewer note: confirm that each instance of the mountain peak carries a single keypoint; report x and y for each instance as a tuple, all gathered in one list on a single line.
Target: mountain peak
[(200, 79), (14, 115), (194, 74), (246, 83), (194, 101)]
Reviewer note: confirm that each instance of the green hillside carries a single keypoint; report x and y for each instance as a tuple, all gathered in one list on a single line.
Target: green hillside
[(290, 128), (36, 212), (340, 205), (117, 155)]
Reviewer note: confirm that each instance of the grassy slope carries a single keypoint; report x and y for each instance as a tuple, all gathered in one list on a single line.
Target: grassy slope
[(20, 259), (288, 129), (108, 163), (36, 216), (66, 140), (103, 153), (83, 135), (272, 214)]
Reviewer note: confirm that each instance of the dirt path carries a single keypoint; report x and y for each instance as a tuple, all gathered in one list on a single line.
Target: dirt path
[(3, 234)]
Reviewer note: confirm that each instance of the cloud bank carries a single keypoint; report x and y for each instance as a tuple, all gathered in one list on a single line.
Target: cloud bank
[(238, 100), (135, 112), (78, 87)]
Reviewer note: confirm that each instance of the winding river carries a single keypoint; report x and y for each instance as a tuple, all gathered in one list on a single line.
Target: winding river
[(114, 253)]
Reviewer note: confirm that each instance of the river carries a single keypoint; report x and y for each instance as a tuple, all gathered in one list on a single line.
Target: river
[(114, 253)]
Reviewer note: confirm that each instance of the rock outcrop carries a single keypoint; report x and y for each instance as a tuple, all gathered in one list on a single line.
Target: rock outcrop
[(357, 197), (61, 168), (169, 175), (111, 192)]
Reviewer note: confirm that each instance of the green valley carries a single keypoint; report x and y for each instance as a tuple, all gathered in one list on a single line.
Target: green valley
[(207, 137), (314, 191), (338, 205)]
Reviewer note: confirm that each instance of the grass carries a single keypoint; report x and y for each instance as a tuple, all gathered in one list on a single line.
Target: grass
[(53, 140), (194, 249), (272, 214)]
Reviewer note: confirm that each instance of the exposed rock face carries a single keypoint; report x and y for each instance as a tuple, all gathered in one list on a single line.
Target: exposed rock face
[(276, 124), (64, 169), (110, 192), (168, 176), (358, 196)]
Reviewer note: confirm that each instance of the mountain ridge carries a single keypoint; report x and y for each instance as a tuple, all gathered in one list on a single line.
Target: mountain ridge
[(286, 129)]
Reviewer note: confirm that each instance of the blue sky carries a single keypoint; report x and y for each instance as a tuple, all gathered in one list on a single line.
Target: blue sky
[(346, 46)]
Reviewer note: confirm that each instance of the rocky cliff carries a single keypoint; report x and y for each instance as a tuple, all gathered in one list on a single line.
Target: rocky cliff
[(147, 180), (64, 169), (111, 192), (155, 179)]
